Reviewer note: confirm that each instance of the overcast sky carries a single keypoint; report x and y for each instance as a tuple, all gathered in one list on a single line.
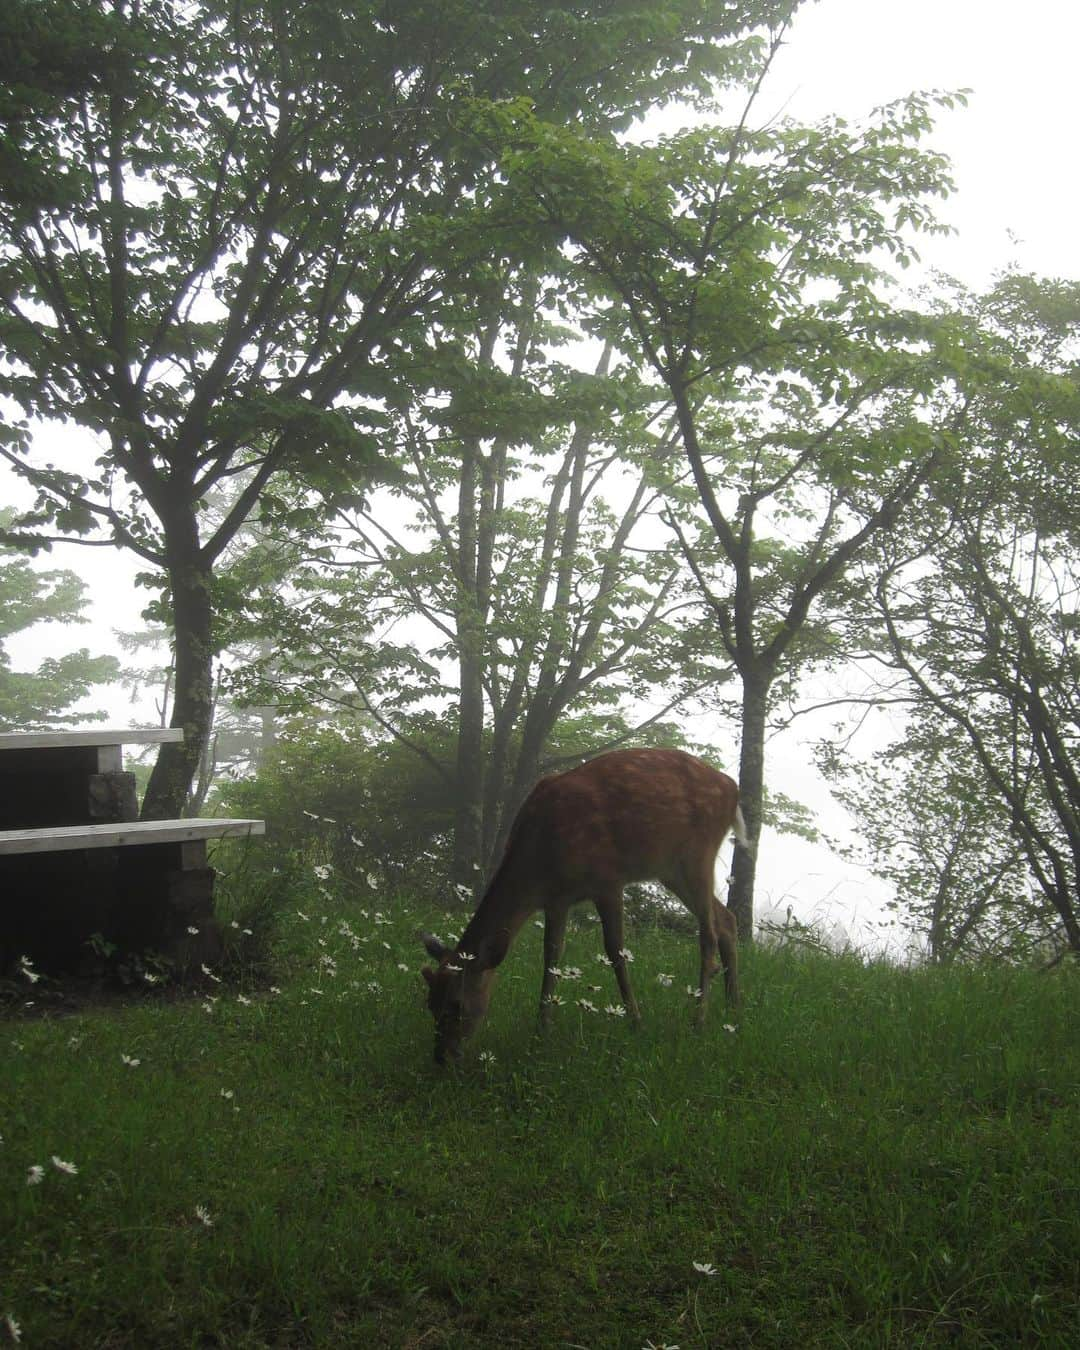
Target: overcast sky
[(1014, 148), (1014, 152)]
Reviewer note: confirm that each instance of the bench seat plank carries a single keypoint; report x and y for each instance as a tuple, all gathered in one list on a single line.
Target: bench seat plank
[(59, 838)]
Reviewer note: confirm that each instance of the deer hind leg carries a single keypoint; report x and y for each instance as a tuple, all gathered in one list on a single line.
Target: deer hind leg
[(727, 935), (554, 942), (695, 890), (610, 909)]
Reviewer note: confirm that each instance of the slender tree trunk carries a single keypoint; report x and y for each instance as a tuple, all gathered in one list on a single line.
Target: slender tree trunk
[(468, 809), (755, 704), (190, 583), (469, 619)]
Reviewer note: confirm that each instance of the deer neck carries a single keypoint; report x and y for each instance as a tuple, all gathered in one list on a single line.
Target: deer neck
[(506, 906)]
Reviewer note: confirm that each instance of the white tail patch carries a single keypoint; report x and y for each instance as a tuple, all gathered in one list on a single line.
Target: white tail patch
[(739, 828)]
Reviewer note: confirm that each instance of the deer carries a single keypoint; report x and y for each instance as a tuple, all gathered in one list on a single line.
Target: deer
[(627, 815)]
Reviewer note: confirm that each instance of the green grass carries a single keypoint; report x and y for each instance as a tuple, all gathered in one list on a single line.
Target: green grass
[(875, 1157)]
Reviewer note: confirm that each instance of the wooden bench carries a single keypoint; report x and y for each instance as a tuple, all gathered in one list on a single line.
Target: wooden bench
[(121, 834), (75, 861)]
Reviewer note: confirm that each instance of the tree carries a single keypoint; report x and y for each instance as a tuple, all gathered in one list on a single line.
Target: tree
[(977, 607), (253, 216), (742, 269), (927, 825), (525, 602), (30, 700)]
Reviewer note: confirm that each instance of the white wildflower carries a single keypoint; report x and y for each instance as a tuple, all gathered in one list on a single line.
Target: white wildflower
[(666, 980), (704, 1268), (210, 974), (243, 998), (585, 1005), (615, 1010), (13, 1328), (204, 1217), (62, 1166), (228, 1094), (129, 1061), (303, 916), (193, 930), (729, 1028), (35, 1175), (401, 965), (322, 871), (27, 969), (626, 954)]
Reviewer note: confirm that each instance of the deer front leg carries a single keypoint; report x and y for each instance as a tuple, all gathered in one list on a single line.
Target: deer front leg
[(554, 942), (610, 909)]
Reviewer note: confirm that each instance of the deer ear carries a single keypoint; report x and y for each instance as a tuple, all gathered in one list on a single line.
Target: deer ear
[(493, 949), (433, 946)]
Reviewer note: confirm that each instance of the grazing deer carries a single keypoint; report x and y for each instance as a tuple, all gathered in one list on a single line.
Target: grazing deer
[(628, 815)]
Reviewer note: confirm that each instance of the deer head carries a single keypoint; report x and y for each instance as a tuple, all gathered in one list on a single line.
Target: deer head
[(459, 989)]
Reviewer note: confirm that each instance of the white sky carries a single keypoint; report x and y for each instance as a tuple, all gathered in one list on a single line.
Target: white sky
[(1014, 152)]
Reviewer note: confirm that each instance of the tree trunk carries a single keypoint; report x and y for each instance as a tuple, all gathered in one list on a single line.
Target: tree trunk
[(468, 809), (170, 781), (755, 703)]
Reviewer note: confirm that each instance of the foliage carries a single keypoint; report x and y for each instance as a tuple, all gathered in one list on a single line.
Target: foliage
[(495, 586), (372, 811), (742, 269), (29, 596), (257, 215), (928, 825), (977, 609)]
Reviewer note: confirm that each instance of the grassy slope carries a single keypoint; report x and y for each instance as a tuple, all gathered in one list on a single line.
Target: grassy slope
[(874, 1157)]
